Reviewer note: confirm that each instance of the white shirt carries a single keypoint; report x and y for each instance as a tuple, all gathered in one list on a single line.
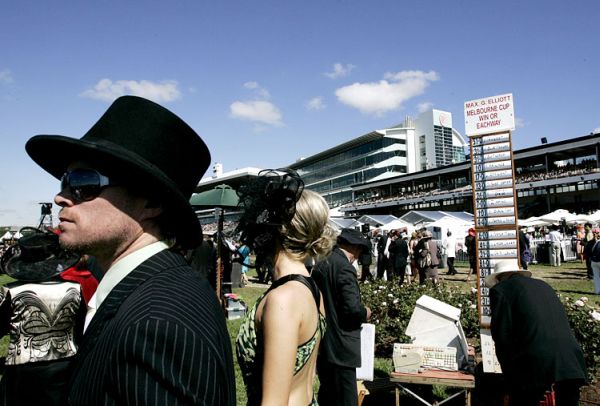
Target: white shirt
[(116, 273), (450, 246), (554, 236), (386, 251)]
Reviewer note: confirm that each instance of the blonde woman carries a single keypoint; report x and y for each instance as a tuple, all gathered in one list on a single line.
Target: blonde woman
[(278, 341)]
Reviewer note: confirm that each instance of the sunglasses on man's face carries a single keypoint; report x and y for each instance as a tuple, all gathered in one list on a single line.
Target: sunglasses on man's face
[(84, 184)]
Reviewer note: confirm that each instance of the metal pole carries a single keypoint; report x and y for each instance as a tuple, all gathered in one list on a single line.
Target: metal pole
[(219, 253)]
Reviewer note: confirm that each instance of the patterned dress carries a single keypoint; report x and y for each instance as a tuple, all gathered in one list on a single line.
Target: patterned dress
[(249, 345), (43, 321)]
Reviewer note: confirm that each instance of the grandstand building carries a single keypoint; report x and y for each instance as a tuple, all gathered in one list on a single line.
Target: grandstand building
[(560, 175), (414, 145), (386, 172)]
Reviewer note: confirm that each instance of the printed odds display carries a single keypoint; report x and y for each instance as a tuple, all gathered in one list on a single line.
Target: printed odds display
[(495, 208), (488, 124)]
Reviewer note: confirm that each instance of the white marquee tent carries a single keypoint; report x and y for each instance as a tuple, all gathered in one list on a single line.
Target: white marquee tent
[(558, 216), (397, 225), (458, 227)]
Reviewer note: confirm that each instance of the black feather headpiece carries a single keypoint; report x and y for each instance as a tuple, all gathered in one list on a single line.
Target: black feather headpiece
[(268, 202)]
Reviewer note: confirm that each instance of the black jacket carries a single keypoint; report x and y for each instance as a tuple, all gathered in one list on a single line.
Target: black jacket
[(470, 245), (523, 242), (398, 253), (534, 342), (336, 277), (158, 338), (381, 243)]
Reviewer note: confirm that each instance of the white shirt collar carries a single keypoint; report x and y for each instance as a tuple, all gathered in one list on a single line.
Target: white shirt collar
[(122, 268)]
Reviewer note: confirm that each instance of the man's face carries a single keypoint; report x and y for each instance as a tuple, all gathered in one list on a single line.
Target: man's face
[(103, 226)]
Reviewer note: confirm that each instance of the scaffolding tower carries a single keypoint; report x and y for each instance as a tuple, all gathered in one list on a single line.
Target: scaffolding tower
[(46, 216)]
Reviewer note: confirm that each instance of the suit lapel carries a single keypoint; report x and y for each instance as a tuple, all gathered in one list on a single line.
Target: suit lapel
[(115, 299)]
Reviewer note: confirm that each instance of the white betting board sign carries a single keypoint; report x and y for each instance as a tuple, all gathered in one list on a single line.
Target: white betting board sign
[(367, 352), (488, 353), (490, 115)]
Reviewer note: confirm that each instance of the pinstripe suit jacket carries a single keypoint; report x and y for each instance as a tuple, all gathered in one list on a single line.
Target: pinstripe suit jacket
[(159, 338)]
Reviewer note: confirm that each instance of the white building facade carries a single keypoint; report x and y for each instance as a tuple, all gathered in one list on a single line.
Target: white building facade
[(412, 146)]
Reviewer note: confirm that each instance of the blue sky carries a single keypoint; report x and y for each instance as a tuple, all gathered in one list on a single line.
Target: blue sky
[(267, 82)]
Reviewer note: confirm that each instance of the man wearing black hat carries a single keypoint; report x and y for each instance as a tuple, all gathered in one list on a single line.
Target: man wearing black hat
[(340, 350), (155, 333)]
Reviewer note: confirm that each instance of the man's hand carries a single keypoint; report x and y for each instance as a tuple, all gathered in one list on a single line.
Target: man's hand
[(368, 313)]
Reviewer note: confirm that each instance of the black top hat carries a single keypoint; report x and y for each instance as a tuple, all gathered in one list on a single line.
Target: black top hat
[(353, 237), (142, 145), (36, 257)]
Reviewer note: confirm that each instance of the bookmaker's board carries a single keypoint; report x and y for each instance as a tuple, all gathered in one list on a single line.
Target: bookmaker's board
[(495, 203), (488, 122)]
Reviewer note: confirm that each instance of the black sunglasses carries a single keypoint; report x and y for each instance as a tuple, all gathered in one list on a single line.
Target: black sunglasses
[(84, 184)]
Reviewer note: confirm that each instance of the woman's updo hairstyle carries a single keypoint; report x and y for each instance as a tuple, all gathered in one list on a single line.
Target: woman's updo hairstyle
[(309, 232)]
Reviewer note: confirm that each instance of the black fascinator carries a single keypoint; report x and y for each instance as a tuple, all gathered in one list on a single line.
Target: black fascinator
[(268, 202), (36, 256)]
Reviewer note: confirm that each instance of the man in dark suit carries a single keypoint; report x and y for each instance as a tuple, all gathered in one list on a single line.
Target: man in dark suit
[(383, 262), (399, 256), (534, 342), (203, 259), (340, 350), (155, 333), (364, 260)]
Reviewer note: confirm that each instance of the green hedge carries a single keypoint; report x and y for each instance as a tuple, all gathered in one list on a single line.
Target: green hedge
[(585, 322)]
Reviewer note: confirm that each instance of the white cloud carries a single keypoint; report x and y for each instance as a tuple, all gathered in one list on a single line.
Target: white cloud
[(251, 85), (316, 103), (423, 107), (596, 130), (340, 70), (160, 92), (260, 91), (256, 110), (5, 76), (387, 94), (520, 122)]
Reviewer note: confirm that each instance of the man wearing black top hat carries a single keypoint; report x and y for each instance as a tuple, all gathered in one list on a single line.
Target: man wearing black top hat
[(155, 333), (340, 350)]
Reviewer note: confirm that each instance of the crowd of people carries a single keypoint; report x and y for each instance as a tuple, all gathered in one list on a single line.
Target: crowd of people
[(414, 259), (381, 198), (532, 175), (524, 176), (118, 305)]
